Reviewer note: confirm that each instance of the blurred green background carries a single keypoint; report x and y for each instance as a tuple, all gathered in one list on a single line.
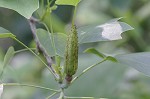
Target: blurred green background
[(108, 80)]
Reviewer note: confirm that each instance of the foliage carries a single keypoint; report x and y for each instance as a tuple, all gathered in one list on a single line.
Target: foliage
[(22, 7), (52, 46)]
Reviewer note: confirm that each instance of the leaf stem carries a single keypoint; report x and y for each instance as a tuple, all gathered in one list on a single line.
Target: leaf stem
[(49, 29), (87, 69), (74, 15), (51, 95), (40, 87), (52, 34), (22, 50), (84, 98)]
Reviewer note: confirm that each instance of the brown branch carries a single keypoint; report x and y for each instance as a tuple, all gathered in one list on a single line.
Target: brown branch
[(32, 22)]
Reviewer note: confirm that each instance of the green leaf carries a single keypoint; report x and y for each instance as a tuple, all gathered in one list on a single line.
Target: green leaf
[(8, 56), (45, 41), (113, 59), (5, 33), (139, 61), (67, 2), (23, 7), (109, 31), (10, 53), (108, 75), (94, 51)]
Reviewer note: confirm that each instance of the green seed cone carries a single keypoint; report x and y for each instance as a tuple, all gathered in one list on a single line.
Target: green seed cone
[(71, 54)]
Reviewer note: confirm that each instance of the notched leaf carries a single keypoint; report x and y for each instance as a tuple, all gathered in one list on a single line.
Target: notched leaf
[(106, 32), (113, 30)]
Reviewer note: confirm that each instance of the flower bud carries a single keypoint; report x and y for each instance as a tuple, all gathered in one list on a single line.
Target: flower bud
[(71, 54)]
